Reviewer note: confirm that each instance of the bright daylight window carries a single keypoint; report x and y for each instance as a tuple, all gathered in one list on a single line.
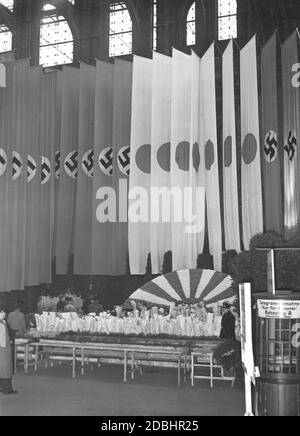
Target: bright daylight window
[(191, 26), (227, 19), (56, 39), (154, 24), (5, 33), (120, 35)]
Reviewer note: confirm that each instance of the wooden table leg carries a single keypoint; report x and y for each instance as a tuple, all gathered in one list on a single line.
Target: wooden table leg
[(192, 369), (211, 371), (36, 356), (82, 361), (15, 359), (132, 365), (74, 363), (125, 366), (26, 357)]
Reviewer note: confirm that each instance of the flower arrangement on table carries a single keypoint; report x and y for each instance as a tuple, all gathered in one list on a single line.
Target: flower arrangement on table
[(77, 301), (47, 303), (146, 323)]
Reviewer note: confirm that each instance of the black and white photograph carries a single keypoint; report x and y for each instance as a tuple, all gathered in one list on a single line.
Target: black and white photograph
[(149, 211)]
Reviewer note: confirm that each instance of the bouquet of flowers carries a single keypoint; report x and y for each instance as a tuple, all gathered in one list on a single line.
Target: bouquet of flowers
[(76, 300), (47, 304)]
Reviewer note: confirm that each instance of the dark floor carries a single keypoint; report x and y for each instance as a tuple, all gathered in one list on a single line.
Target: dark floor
[(52, 392)]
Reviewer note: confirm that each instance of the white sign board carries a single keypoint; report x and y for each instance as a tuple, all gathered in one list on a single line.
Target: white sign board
[(282, 309)]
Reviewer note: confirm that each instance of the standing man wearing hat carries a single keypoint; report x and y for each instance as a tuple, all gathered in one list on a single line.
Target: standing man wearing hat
[(6, 367), (227, 323)]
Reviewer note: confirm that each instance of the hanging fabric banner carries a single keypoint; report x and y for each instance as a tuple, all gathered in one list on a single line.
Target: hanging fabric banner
[(180, 152), (160, 158), (17, 202), (104, 198), (252, 210), (68, 169), (273, 216), (184, 241), (84, 194), (209, 135), (48, 132), (122, 87), (57, 159), (140, 166), (31, 137), (6, 152), (230, 180), (291, 110), (196, 168)]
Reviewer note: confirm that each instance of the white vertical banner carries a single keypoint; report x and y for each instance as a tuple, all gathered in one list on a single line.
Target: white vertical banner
[(209, 140), (181, 112), (140, 166), (196, 169), (160, 158), (230, 181), (251, 165)]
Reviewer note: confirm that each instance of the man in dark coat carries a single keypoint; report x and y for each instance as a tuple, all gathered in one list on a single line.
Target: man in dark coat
[(6, 367), (228, 323)]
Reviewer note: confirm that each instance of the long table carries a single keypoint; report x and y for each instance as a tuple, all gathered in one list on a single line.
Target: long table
[(85, 351)]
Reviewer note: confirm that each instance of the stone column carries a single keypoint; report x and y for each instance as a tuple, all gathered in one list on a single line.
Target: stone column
[(93, 23), (27, 31), (142, 27)]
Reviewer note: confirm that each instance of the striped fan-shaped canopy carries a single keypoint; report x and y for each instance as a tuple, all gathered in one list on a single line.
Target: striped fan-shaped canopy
[(187, 286)]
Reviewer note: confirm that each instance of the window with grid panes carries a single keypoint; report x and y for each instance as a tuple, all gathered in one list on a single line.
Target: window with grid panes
[(56, 38), (227, 19), (191, 26), (120, 33), (154, 12), (278, 353)]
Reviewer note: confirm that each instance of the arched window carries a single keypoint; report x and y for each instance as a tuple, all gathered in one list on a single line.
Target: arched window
[(191, 26), (154, 16), (5, 33), (120, 33), (227, 19), (56, 39)]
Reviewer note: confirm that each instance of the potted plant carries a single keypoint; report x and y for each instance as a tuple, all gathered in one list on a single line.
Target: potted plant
[(228, 355)]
